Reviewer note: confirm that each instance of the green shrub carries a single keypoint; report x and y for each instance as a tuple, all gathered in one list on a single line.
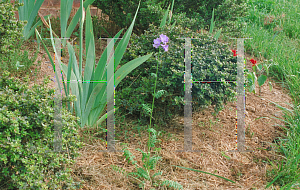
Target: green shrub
[(211, 61), (229, 15), (122, 12), (10, 28), (202, 10), (12, 59), (27, 159), (186, 22)]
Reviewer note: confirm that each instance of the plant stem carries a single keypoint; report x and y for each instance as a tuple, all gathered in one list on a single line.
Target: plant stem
[(150, 119), (154, 94)]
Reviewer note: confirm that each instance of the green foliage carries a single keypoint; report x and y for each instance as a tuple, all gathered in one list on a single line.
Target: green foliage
[(91, 99), (122, 12), (197, 8), (200, 12), (18, 61), (182, 20), (45, 32), (28, 12), (226, 11), (27, 159), (263, 5), (230, 15), (99, 27), (149, 163), (10, 28), (211, 61), (173, 184)]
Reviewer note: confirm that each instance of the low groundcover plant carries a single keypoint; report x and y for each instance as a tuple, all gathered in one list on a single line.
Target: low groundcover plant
[(143, 174)]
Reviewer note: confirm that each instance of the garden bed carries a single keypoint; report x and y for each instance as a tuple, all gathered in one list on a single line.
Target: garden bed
[(214, 136), (211, 135)]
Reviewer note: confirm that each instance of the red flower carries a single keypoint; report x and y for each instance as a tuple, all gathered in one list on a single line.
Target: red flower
[(253, 62), (234, 52)]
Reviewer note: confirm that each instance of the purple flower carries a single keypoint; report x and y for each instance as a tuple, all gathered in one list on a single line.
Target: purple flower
[(162, 39), (165, 47), (156, 43)]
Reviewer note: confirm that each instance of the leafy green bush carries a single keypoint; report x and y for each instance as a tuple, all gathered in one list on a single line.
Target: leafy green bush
[(10, 28), (227, 13), (228, 16), (186, 22), (202, 10), (27, 159), (211, 61), (12, 59), (122, 12)]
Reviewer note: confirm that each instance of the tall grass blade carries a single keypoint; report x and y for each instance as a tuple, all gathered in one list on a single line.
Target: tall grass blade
[(82, 13), (171, 12), (76, 18), (122, 72), (65, 11), (212, 23), (205, 173), (47, 51), (121, 48), (75, 84), (100, 69), (89, 68), (164, 20)]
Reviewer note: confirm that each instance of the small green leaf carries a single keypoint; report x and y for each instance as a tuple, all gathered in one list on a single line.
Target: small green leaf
[(143, 173), (156, 174), (259, 66), (250, 79), (261, 80), (153, 75), (217, 35), (254, 68)]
